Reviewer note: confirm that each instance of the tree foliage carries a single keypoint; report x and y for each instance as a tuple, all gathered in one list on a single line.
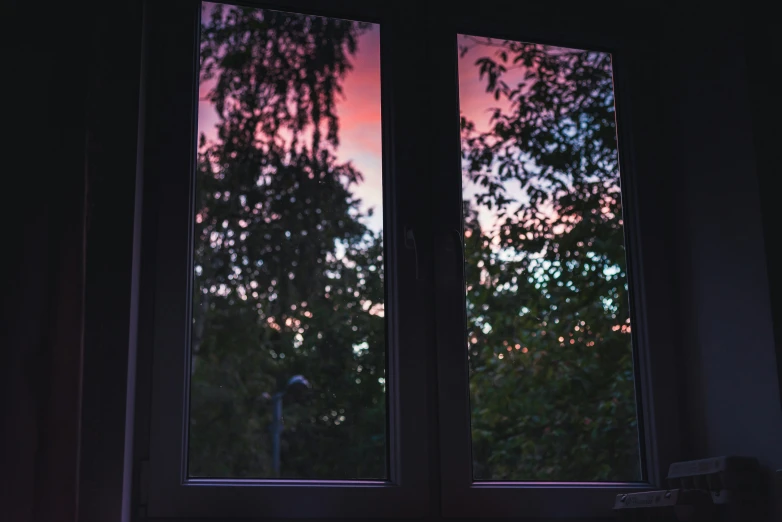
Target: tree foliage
[(549, 326), (289, 279)]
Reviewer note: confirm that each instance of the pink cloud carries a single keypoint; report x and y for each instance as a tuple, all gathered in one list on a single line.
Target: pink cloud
[(361, 140), (361, 136)]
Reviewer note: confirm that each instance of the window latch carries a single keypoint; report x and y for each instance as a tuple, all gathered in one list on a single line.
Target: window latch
[(410, 243), (452, 251)]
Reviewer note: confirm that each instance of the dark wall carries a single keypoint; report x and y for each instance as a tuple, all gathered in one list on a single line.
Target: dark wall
[(726, 322), (69, 179), (43, 247), (764, 61)]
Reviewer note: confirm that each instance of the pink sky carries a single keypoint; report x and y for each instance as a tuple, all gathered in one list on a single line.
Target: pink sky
[(360, 129), (474, 101), (360, 126), (476, 104), (359, 113), (359, 116)]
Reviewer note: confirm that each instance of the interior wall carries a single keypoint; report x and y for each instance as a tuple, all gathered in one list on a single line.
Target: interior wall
[(67, 207), (764, 61), (727, 331), (42, 249)]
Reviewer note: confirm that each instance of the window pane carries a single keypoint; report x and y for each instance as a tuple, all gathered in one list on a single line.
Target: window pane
[(288, 337), (549, 343)]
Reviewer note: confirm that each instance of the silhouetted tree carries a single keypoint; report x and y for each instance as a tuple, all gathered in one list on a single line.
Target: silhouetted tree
[(288, 278), (549, 326)]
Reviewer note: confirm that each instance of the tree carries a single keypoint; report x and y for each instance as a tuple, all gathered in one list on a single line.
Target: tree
[(288, 278), (549, 326)]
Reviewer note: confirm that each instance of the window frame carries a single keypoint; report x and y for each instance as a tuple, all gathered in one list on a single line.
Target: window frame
[(164, 490), (429, 478), (648, 268)]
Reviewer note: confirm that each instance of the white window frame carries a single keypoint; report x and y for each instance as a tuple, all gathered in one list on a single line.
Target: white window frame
[(166, 491), (429, 434), (648, 273)]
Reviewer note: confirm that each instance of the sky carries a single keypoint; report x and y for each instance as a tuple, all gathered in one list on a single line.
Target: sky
[(360, 124), (359, 115), (476, 104), (360, 130)]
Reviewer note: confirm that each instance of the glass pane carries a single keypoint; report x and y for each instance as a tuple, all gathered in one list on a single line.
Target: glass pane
[(549, 343), (288, 337)]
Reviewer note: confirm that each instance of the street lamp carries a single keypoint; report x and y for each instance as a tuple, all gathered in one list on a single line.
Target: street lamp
[(296, 384)]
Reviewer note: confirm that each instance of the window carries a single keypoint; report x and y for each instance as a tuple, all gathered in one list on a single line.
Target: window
[(288, 310), (548, 320), (396, 268)]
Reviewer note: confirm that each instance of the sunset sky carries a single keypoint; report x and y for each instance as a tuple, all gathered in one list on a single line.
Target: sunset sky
[(359, 119), (476, 105), (359, 115), (360, 130)]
